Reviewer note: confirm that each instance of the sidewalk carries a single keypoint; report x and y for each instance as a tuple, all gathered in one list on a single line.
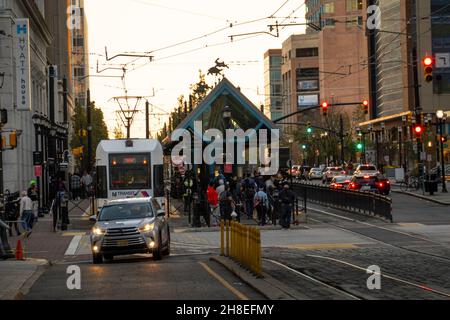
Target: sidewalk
[(438, 197), (43, 243), (18, 276)]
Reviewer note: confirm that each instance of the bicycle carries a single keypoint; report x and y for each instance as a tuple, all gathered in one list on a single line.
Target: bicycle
[(411, 183)]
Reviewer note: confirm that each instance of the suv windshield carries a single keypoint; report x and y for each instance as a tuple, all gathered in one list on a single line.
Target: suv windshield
[(127, 211)]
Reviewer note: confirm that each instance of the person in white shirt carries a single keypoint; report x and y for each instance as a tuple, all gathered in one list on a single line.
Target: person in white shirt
[(26, 211)]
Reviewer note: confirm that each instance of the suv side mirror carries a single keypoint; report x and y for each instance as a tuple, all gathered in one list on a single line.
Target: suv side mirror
[(160, 213)]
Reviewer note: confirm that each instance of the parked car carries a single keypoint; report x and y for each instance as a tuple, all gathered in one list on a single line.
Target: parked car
[(332, 172), (370, 183), (315, 173), (130, 226), (366, 169), (340, 182)]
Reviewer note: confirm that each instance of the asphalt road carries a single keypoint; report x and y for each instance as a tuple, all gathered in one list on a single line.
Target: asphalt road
[(408, 209), (136, 278)]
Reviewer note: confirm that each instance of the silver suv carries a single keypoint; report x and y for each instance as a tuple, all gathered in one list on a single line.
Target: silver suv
[(130, 226)]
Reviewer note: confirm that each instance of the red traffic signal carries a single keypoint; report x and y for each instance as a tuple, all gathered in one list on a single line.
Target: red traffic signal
[(428, 71), (324, 108), (365, 106), (418, 130)]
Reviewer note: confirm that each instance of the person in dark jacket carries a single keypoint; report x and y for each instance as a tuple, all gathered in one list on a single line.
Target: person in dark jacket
[(287, 199)]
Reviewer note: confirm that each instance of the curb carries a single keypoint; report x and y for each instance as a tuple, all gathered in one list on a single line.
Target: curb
[(422, 197), (20, 293), (267, 286)]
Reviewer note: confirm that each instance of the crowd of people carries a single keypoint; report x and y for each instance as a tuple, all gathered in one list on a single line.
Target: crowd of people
[(265, 199)]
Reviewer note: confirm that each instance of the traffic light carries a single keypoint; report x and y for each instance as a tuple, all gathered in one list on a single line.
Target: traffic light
[(13, 140), (418, 130), (428, 62), (359, 144), (365, 106), (304, 146), (325, 108), (443, 139), (309, 129)]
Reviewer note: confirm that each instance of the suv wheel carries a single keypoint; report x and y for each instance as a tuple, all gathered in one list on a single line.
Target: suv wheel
[(166, 251), (157, 255), (97, 258)]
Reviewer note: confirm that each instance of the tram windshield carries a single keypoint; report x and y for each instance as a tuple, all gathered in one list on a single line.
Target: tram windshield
[(130, 172)]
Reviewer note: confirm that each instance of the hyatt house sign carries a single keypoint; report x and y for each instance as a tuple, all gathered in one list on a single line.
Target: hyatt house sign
[(23, 68)]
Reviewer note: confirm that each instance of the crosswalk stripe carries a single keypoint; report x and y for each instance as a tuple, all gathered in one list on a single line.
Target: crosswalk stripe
[(73, 246)]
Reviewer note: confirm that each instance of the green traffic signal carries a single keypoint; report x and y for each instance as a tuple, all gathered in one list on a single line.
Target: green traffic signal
[(304, 147), (309, 130), (359, 146)]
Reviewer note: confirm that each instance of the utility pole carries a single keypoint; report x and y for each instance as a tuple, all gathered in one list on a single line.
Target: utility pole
[(89, 130), (417, 108), (147, 120)]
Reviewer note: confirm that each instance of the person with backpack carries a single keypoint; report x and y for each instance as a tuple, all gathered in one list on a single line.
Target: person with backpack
[(227, 204), (261, 203), (249, 190), (287, 199)]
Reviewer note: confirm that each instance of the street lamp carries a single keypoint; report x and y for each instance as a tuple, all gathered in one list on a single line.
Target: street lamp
[(442, 118)]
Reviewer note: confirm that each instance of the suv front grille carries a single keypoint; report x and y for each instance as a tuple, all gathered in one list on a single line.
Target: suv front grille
[(122, 237)]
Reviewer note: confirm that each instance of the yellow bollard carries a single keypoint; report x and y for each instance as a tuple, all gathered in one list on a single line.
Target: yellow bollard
[(222, 239), (258, 254), (227, 228), (233, 240)]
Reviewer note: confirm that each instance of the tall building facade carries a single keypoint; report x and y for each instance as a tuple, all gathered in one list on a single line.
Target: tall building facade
[(273, 83), (342, 50), (80, 53), (18, 163), (409, 32), (35, 57), (300, 75)]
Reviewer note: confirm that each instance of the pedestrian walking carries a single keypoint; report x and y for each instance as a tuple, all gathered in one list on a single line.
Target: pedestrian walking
[(12, 215), (86, 182), (213, 202), (249, 190), (75, 186), (33, 195), (26, 212), (261, 202), (287, 199), (227, 204)]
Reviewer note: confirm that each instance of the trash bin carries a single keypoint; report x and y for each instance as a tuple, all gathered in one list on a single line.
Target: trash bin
[(431, 186)]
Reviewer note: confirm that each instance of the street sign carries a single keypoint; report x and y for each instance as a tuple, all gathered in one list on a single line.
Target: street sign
[(37, 158), (38, 171), (63, 165), (443, 60)]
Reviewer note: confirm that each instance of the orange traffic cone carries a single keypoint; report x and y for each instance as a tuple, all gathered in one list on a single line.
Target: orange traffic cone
[(19, 251)]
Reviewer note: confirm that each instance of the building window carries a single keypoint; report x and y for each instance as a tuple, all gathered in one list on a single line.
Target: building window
[(354, 5), (308, 73), (328, 23), (78, 42), (78, 72), (307, 52), (353, 21), (328, 7)]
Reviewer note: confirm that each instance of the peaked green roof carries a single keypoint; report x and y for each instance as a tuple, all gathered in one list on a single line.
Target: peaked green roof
[(245, 115)]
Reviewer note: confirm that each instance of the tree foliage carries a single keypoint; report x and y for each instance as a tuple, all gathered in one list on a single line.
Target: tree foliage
[(79, 139)]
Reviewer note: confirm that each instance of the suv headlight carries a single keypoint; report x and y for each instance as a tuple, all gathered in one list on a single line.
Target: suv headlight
[(98, 231), (147, 227)]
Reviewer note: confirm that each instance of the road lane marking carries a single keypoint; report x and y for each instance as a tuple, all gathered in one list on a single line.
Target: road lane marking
[(73, 234), (73, 246), (236, 292), (322, 246)]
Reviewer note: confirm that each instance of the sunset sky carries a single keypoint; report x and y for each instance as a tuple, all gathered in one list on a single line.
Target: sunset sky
[(138, 26)]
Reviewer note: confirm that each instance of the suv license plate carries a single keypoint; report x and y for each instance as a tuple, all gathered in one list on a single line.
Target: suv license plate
[(122, 243), (366, 188)]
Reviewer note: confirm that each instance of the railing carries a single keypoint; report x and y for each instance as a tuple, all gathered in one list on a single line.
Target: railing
[(243, 244), (365, 203)]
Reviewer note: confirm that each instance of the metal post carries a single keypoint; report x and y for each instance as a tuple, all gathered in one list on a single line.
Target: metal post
[(89, 129), (147, 120), (400, 147), (2, 196), (341, 133), (444, 183)]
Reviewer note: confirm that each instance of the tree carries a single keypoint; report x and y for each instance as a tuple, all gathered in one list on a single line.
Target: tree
[(118, 133), (199, 90), (79, 139)]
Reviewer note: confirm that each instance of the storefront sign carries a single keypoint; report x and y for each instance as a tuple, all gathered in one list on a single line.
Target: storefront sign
[(23, 64), (38, 171)]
